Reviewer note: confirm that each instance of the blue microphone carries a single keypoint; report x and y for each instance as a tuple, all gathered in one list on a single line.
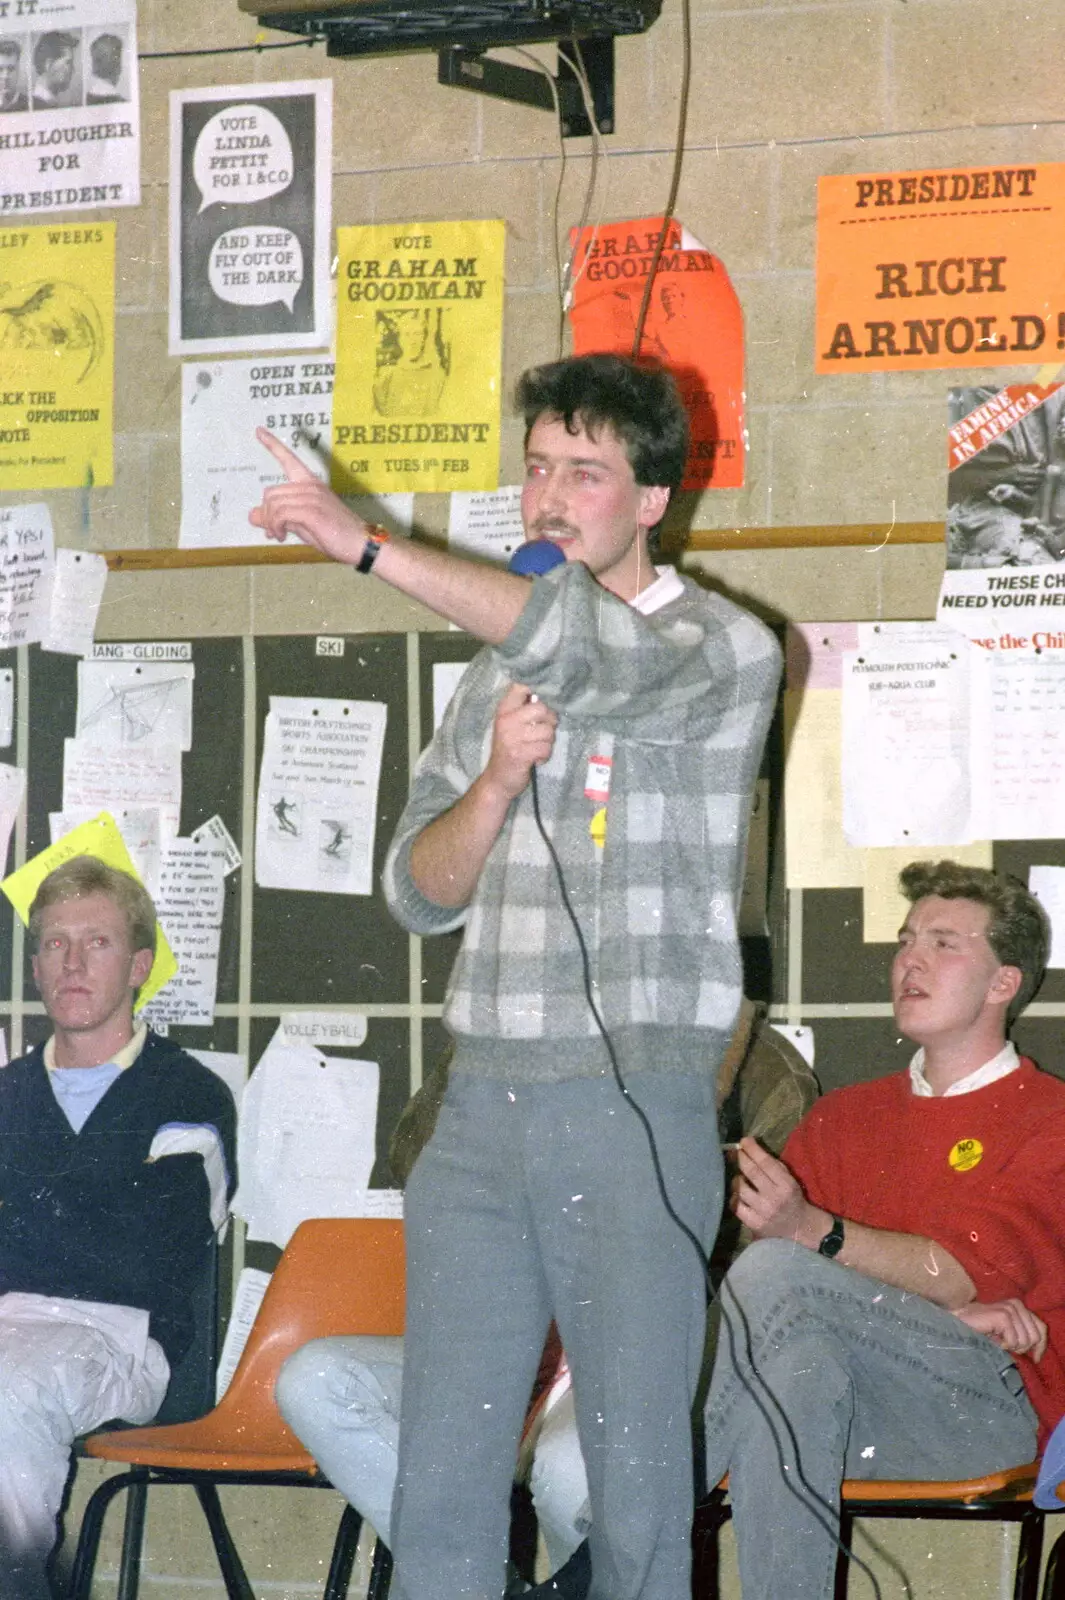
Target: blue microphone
[(538, 556)]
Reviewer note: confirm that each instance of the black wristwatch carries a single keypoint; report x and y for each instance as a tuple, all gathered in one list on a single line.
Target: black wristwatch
[(832, 1243), (376, 537)]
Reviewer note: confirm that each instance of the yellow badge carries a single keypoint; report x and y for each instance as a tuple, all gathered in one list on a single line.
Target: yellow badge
[(966, 1154), (597, 827)]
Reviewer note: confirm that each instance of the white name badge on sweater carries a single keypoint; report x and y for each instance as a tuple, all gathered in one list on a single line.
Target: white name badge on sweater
[(597, 782)]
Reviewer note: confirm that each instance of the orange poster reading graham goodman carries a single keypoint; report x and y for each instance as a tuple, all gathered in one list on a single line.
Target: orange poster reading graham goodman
[(955, 267)]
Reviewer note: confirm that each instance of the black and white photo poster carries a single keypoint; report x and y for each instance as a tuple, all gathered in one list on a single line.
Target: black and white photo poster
[(69, 115), (250, 191)]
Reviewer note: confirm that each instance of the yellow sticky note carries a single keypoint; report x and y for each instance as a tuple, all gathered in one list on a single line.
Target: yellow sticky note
[(98, 837)]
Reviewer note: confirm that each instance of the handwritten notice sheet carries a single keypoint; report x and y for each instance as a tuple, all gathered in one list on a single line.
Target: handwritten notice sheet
[(27, 561), (317, 805), (1028, 745), (911, 746), (74, 602), (189, 901), (306, 1139), (109, 778), (486, 523)]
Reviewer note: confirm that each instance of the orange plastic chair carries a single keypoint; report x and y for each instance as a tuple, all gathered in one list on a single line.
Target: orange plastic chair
[(336, 1276), (999, 1497)]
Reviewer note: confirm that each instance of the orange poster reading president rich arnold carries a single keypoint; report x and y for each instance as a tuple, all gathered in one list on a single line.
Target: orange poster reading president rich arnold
[(952, 267)]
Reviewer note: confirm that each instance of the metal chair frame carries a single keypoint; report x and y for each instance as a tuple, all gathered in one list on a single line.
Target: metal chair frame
[(336, 1276), (998, 1497)]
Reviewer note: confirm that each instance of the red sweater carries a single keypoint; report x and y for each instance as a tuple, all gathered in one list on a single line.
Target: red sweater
[(983, 1174)]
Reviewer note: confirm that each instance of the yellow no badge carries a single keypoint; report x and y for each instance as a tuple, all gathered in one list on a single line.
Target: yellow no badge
[(966, 1154)]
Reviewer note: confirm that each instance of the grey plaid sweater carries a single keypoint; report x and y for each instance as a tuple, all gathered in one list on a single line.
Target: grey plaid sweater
[(679, 702)]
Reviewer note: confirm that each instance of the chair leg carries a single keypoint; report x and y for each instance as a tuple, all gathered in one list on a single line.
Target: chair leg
[(1054, 1581), (230, 1565), (843, 1560), (92, 1523), (380, 1573), (129, 1572), (345, 1549), (1029, 1555), (706, 1551)]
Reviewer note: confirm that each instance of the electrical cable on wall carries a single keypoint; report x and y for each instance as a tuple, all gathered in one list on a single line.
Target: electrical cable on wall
[(678, 164)]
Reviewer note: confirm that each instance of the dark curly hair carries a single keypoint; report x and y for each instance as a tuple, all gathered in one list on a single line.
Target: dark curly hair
[(640, 403)]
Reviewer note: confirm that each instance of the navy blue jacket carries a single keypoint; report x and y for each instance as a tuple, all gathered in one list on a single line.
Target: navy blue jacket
[(86, 1215)]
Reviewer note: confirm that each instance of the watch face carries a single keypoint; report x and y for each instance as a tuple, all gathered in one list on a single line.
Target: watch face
[(832, 1243)]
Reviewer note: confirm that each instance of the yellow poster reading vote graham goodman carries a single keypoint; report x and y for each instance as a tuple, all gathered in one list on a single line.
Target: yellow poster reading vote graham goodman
[(57, 327), (419, 334)]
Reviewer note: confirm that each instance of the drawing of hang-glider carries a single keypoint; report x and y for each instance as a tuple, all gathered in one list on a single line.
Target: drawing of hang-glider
[(138, 708)]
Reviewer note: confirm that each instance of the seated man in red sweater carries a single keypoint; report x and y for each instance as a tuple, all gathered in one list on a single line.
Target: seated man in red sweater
[(902, 1311)]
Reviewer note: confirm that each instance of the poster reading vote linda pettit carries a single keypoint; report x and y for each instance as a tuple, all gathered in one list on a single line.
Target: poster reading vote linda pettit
[(69, 114), (954, 267), (250, 185), (57, 323), (419, 337)]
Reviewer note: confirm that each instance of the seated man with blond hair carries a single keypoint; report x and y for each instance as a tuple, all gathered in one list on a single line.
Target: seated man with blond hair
[(116, 1162)]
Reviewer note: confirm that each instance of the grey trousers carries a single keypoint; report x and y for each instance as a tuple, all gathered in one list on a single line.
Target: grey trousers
[(860, 1381), (533, 1201)]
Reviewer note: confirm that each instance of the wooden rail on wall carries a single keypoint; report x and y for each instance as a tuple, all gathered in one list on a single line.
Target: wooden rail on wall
[(872, 535)]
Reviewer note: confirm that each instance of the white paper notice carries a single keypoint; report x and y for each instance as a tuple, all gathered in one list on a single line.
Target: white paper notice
[(189, 901), (7, 706), (71, 112), (135, 702), (306, 1140), (12, 789), (215, 832), (317, 805), (339, 1029), (447, 675), (801, 1037), (913, 748), (26, 565), (106, 778), (74, 603), (1048, 886), (224, 468), (251, 1287), (1028, 709), (486, 523), (227, 1065), (141, 828)]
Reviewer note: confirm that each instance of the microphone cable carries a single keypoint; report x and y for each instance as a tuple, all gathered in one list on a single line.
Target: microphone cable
[(823, 1513)]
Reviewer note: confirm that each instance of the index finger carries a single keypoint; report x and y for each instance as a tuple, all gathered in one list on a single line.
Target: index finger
[(750, 1150), (291, 465)]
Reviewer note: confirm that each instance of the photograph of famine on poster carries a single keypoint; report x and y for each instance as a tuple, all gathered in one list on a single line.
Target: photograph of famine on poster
[(250, 217), (1006, 489), (1005, 528)]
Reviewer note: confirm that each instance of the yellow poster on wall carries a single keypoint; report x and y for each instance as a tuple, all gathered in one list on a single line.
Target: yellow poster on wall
[(954, 267), (419, 354), (57, 344)]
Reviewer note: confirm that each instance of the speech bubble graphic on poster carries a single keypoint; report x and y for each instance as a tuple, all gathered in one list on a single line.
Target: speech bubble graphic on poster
[(243, 153), (256, 266)]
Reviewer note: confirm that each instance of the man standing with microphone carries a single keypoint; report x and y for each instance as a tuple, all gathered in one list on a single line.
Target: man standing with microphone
[(619, 713)]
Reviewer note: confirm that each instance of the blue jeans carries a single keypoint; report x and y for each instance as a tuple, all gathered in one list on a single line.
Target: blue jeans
[(871, 1382)]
